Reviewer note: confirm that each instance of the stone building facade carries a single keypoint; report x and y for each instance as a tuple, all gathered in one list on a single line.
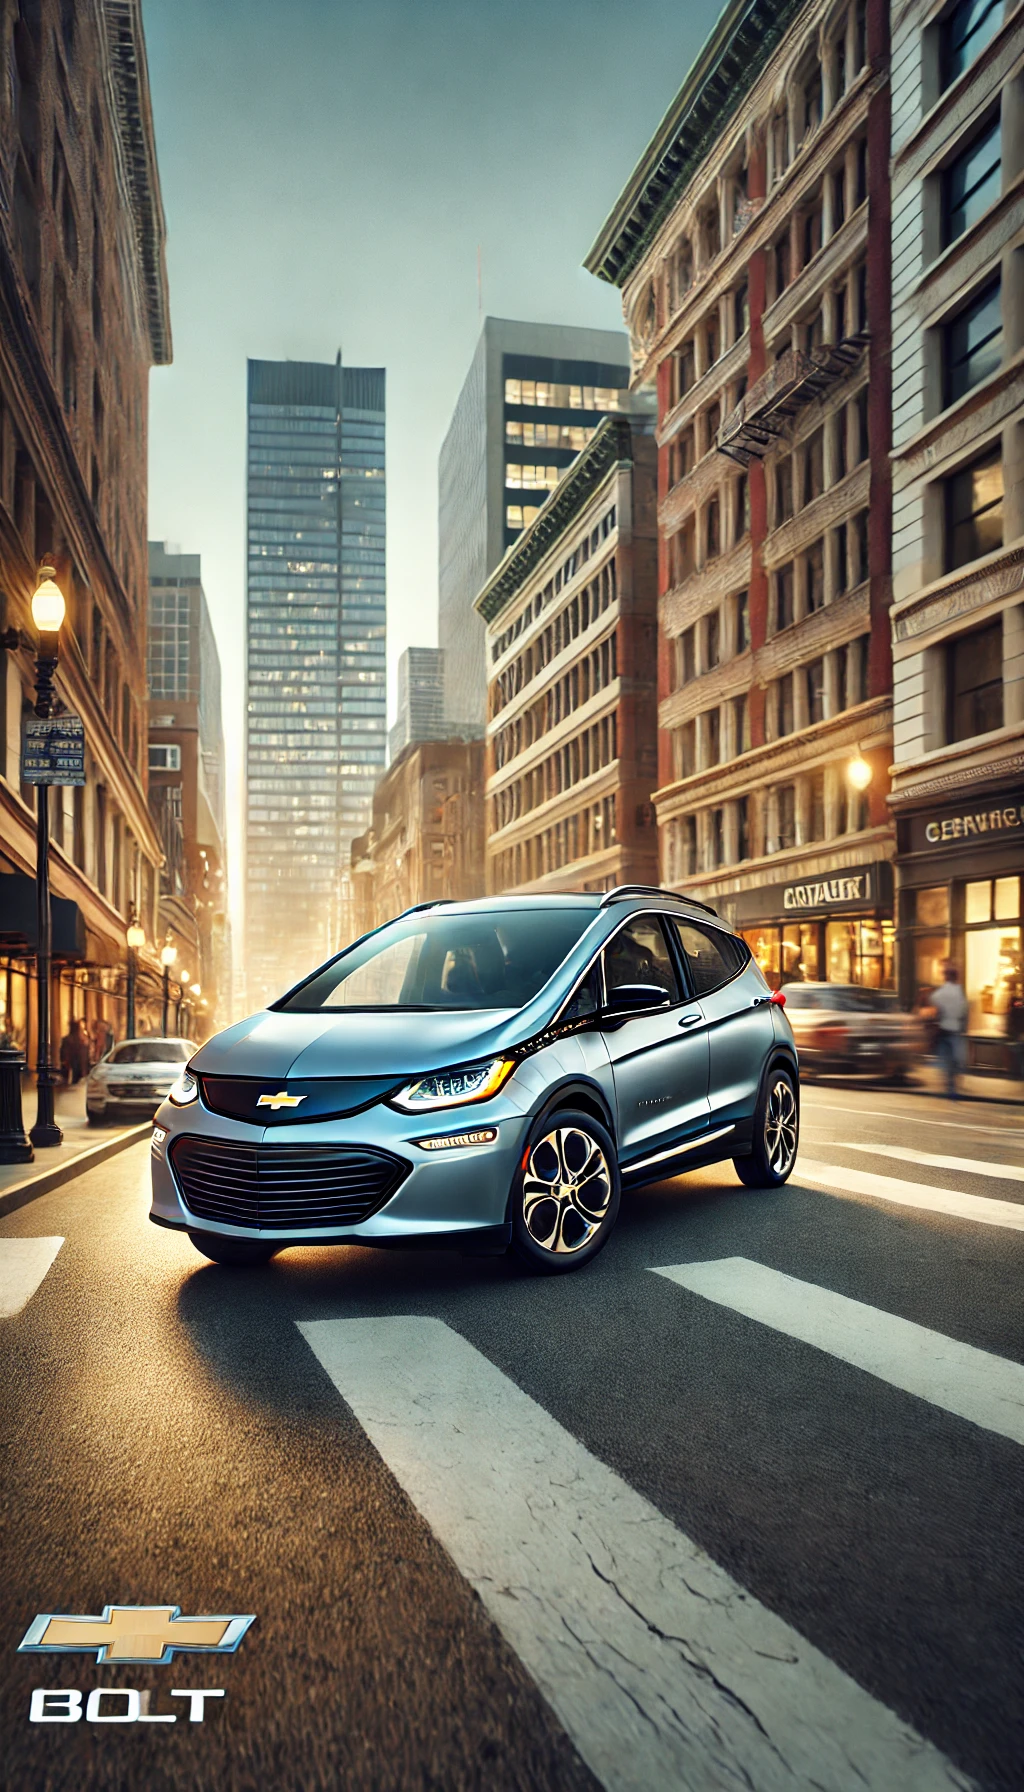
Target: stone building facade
[(958, 508), (424, 844), (83, 317), (571, 617), (752, 250)]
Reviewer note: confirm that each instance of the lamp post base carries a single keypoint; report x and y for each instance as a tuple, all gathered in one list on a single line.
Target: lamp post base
[(14, 1145), (45, 1131)]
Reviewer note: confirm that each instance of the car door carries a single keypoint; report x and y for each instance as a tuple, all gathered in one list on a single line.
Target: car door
[(737, 1012), (659, 1060)]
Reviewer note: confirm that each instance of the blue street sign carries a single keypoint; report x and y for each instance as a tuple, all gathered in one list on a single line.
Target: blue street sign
[(53, 750)]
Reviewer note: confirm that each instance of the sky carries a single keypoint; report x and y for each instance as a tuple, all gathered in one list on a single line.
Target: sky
[(330, 170)]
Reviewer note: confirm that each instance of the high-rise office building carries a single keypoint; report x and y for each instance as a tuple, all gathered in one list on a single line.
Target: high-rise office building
[(316, 698), (420, 699), (532, 399)]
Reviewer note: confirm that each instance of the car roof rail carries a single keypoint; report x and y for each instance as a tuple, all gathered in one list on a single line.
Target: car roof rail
[(435, 902), (622, 890)]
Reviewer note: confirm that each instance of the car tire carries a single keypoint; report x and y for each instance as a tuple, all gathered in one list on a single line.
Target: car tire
[(776, 1133), (238, 1253), (95, 1119), (552, 1233)]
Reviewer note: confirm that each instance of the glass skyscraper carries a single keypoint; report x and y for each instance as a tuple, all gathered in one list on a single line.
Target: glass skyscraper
[(316, 688)]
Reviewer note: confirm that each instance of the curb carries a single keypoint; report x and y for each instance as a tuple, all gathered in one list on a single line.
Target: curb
[(45, 1180)]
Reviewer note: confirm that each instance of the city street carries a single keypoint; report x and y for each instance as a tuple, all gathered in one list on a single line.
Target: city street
[(468, 1508)]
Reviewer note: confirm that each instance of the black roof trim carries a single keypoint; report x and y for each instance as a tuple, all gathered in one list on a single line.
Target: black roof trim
[(621, 891)]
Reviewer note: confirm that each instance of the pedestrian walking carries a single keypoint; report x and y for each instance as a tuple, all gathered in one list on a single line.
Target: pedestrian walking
[(74, 1053), (949, 1011)]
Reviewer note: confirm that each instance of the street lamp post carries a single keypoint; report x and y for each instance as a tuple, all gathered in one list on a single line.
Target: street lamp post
[(183, 982), (135, 938), (48, 610), (168, 954)]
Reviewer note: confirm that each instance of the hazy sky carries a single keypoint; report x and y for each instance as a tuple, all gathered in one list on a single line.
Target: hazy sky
[(329, 169)]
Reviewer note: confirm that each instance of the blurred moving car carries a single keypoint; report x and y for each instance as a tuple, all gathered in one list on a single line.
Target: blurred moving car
[(843, 1029), (133, 1079)]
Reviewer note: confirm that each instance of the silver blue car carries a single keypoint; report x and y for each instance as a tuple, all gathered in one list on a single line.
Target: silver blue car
[(486, 1076)]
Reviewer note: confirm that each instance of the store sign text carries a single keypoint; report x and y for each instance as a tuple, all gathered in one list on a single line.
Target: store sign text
[(824, 894), (963, 827)]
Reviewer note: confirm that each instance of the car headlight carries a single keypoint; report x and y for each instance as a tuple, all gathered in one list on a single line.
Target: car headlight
[(183, 1091), (450, 1088)]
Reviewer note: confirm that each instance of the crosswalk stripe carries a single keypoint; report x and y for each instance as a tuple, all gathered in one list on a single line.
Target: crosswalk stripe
[(973, 1384), (837, 1178), (969, 1166), (662, 1669), (23, 1264)]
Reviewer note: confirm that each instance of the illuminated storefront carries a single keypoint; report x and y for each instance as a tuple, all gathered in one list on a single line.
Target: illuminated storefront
[(832, 929), (961, 896)]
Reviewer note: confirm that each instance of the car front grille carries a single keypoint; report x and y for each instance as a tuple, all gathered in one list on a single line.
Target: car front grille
[(137, 1091), (283, 1187)]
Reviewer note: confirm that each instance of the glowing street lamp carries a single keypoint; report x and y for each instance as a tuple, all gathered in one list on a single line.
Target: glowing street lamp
[(859, 772), (135, 939), (48, 610)]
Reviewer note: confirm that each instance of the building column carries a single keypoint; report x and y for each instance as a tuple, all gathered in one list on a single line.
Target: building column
[(801, 719), (834, 805), (802, 805), (1013, 666), (730, 834), (832, 696)]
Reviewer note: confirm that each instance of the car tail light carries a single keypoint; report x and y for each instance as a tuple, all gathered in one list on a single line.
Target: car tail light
[(833, 1033), (778, 996)]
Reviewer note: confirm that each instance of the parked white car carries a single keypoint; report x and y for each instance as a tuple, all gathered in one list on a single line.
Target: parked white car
[(134, 1077)]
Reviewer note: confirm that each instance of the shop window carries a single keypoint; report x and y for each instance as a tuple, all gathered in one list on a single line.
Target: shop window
[(860, 952), (931, 907), (930, 953), (973, 343), (971, 183), (785, 955), (974, 682), (994, 982), (974, 511), (965, 32)]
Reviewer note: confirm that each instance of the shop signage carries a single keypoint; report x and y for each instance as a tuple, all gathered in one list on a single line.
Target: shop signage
[(53, 750), (862, 887), (973, 825)]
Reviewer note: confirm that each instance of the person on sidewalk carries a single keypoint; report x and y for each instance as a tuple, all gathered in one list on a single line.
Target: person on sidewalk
[(949, 1009), (74, 1053)]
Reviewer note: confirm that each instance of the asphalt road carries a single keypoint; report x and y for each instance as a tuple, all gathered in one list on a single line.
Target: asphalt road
[(170, 1436)]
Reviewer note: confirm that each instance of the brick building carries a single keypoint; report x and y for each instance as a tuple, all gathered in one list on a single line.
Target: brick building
[(424, 841), (958, 509), (83, 317), (752, 250), (571, 618)]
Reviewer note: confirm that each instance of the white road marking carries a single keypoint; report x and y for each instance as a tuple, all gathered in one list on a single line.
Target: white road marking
[(901, 1114), (662, 1669), (973, 1384), (837, 1179), (969, 1166), (23, 1264)]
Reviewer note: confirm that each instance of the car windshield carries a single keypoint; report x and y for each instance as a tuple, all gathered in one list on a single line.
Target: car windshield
[(439, 960), (151, 1051)]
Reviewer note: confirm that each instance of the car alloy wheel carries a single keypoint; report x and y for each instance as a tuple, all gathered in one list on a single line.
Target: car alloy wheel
[(780, 1127), (566, 1198)]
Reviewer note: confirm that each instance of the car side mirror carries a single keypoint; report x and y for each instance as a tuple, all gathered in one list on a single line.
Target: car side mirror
[(634, 998)]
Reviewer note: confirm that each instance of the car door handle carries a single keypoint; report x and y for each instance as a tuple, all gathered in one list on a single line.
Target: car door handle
[(690, 1020)]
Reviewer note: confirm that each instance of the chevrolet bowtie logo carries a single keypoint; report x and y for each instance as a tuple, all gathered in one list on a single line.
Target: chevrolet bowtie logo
[(281, 1100), (135, 1633)]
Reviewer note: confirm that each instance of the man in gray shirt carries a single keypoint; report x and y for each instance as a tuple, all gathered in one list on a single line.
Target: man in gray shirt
[(949, 1007)]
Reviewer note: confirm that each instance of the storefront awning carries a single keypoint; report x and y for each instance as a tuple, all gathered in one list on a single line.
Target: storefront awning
[(18, 921)]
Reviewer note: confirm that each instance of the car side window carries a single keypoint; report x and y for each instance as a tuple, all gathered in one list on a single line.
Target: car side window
[(711, 958), (639, 954)]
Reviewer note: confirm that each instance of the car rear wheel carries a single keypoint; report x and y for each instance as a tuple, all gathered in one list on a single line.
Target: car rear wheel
[(240, 1253), (565, 1198), (776, 1134)]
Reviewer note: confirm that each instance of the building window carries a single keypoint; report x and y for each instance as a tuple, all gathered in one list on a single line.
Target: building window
[(814, 563), (815, 676), (713, 640), (965, 32), (785, 802), (714, 530), (973, 343), (741, 726), (713, 721), (974, 682), (783, 597), (814, 466), (971, 184), (781, 265), (784, 705), (743, 827), (783, 490), (164, 758), (974, 511), (742, 603), (741, 312), (684, 750), (685, 657)]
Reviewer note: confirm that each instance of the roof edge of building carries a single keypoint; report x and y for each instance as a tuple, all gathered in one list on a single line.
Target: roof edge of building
[(611, 444), (130, 72), (733, 56)]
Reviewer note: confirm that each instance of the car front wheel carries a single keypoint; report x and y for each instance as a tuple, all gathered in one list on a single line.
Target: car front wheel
[(240, 1253), (565, 1199), (776, 1133)]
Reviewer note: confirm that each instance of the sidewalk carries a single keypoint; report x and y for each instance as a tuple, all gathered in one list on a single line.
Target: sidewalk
[(930, 1080), (83, 1146)]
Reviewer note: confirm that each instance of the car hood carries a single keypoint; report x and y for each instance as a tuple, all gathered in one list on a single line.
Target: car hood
[(356, 1045)]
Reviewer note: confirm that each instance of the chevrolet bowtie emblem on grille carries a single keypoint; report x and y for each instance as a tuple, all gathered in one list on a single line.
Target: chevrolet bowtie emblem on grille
[(134, 1633), (281, 1100)]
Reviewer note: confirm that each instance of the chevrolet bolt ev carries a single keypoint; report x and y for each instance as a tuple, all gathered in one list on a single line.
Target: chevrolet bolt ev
[(485, 1076)]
